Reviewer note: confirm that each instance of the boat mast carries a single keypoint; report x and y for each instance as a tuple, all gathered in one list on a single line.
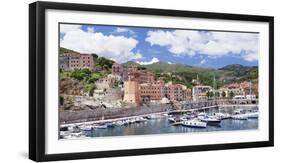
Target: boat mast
[(214, 86)]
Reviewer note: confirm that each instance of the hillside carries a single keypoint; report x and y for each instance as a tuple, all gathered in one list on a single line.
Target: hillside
[(184, 74), (65, 50)]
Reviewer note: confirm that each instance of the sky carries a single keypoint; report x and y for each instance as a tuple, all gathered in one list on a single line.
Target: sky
[(211, 49)]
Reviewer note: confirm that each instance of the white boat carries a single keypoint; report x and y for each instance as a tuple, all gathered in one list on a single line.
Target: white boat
[(222, 115), (64, 133), (166, 115), (87, 128), (194, 123), (209, 119), (184, 118), (240, 117), (253, 114), (140, 119), (201, 114), (101, 126), (238, 111), (171, 119), (119, 123), (132, 121), (76, 134), (110, 124)]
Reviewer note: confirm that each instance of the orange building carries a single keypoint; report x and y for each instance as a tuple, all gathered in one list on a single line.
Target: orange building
[(155, 91), (131, 92), (142, 76)]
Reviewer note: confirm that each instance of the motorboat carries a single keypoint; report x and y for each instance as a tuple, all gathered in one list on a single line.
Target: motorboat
[(201, 114), (119, 123), (222, 115), (101, 126), (87, 128), (132, 121), (174, 119), (209, 119), (194, 123), (110, 125), (140, 119), (240, 117)]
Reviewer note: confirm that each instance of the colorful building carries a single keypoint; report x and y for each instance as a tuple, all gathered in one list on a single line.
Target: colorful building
[(154, 91), (131, 92)]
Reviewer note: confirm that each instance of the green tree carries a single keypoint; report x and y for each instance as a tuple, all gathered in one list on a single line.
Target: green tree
[(223, 94), (94, 77), (210, 94), (104, 63), (231, 94), (95, 56), (90, 88), (80, 74), (217, 94)]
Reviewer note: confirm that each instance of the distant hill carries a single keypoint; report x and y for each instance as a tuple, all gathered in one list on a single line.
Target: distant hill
[(131, 63), (184, 74), (65, 50), (237, 69)]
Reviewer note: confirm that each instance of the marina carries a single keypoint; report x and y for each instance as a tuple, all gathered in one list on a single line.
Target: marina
[(212, 119)]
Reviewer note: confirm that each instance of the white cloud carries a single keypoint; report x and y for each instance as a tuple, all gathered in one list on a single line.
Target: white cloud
[(117, 48), (170, 63), (212, 44), (121, 30), (91, 29), (203, 61), (153, 60), (125, 30)]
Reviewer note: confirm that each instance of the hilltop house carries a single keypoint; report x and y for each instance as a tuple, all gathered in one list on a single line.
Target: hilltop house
[(70, 61)]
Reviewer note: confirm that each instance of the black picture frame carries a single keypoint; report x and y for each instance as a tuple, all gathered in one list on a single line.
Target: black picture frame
[(37, 80)]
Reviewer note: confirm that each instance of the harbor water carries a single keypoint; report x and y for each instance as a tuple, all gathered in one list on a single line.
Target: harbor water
[(163, 126)]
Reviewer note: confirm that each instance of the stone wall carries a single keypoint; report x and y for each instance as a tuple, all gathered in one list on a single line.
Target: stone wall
[(108, 113)]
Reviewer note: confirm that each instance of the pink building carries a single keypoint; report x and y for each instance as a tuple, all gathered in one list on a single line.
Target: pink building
[(117, 69), (86, 61), (77, 61)]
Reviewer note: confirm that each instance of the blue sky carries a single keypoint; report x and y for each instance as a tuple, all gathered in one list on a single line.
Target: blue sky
[(148, 45)]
